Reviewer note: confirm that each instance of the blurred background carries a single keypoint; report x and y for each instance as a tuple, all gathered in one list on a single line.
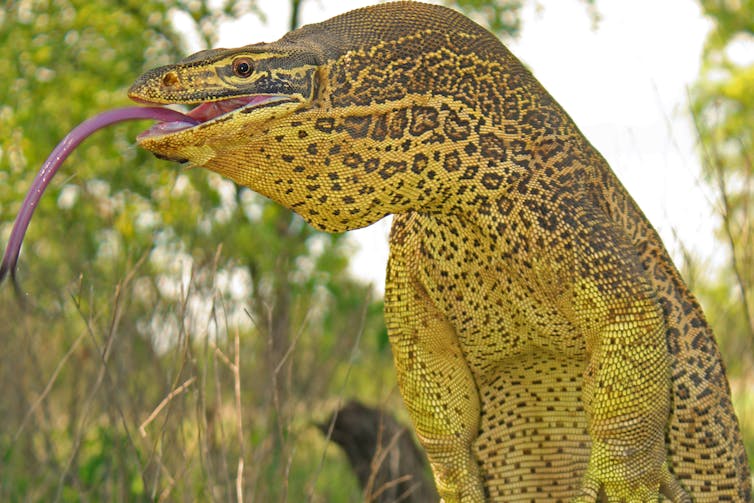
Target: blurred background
[(185, 339)]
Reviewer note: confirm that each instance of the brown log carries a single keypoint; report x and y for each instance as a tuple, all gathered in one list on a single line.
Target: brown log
[(388, 464)]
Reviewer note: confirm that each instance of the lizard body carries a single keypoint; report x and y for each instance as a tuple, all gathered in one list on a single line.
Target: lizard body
[(546, 347)]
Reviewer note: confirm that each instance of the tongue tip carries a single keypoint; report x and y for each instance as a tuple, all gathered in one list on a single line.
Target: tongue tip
[(4, 269), (171, 121)]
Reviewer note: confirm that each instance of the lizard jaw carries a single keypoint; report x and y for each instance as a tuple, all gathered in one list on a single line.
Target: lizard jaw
[(212, 111)]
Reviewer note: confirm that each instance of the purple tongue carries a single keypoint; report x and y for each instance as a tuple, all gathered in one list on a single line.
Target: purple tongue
[(56, 158)]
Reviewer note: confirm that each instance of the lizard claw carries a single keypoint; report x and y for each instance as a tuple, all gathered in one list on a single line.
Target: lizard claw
[(613, 490)]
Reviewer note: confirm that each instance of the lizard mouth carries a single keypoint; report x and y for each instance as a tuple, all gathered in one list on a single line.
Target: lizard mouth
[(213, 111)]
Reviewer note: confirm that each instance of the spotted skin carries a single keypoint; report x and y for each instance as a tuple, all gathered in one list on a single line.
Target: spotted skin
[(546, 347)]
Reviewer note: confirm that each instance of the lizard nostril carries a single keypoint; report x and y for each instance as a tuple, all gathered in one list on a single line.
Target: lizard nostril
[(170, 79)]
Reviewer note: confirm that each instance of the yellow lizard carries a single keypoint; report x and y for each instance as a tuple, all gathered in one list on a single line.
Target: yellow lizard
[(546, 347)]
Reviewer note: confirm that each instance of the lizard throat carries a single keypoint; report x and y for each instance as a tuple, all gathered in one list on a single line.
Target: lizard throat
[(212, 111)]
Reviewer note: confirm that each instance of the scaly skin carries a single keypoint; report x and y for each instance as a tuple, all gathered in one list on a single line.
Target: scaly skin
[(546, 346)]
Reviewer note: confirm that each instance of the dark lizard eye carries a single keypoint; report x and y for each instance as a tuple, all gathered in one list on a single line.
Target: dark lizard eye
[(243, 67)]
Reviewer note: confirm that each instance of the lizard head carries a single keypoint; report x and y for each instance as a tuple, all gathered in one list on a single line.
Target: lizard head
[(231, 90)]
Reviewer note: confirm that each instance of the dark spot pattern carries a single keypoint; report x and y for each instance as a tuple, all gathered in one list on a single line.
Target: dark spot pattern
[(534, 314)]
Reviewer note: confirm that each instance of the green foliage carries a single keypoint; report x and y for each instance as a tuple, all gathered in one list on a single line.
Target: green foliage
[(723, 109), (65, 61), (142, 276)]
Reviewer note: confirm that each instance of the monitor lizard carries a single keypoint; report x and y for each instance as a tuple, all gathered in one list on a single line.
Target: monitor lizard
[(546, 347)]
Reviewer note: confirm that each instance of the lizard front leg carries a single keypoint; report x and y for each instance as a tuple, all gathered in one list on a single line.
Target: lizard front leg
[(626, 396), (436, 385)]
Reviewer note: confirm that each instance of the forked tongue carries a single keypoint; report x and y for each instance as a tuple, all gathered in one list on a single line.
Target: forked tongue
[(177, 120)]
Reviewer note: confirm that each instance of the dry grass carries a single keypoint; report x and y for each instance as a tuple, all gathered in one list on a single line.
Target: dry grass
[(92, 412)]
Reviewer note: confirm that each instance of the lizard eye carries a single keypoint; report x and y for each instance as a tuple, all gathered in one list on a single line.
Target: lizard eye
[(243, 67)]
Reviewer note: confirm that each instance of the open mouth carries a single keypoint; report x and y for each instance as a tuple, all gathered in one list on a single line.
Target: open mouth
[(211, 111)]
